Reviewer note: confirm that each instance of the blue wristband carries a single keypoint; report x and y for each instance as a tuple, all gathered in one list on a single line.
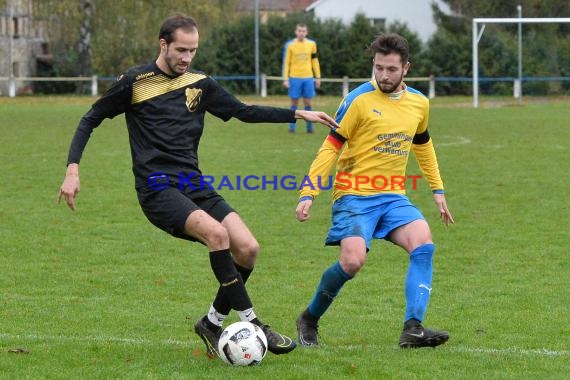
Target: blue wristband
[(306, 198), (439, 191)]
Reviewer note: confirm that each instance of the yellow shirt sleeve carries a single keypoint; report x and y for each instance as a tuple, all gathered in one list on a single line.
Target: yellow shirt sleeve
[(427, 160), (320, 168), (315, 62), (286, 62)]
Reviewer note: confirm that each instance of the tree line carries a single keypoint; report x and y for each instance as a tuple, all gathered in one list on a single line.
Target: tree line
[(104, 37)]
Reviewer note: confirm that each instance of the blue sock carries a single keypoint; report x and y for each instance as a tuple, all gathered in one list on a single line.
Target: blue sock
[(309, 123), (418, 282), (331, 282), (293, 125)]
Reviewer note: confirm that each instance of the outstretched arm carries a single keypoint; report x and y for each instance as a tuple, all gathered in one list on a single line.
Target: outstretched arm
[(225, 105), (317, 117)]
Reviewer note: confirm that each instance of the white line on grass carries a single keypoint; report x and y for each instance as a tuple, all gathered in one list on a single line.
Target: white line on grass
[(489, 351), (459, 140), (175, 342), (508, 351), (96, 339)]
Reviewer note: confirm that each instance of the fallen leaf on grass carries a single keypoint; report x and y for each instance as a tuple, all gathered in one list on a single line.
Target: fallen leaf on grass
[(18, 350)]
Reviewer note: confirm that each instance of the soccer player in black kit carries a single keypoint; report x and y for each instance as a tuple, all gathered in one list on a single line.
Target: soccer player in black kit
[(164, 103)]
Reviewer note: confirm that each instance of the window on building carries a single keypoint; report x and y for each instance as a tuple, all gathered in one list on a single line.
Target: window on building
[(16, 27), (379, 23), (16, 69)]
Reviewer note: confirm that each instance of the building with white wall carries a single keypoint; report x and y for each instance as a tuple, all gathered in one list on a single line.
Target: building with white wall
[(22, 46), (416, 14)]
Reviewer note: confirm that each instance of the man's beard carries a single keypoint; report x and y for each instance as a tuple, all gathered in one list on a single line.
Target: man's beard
[(392, 88)]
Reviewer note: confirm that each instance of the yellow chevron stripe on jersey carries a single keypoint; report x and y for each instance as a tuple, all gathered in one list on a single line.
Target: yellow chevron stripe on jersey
[(156, 85)]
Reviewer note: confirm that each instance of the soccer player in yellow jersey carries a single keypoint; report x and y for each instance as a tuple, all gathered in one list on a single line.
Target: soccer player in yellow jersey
[(379, 123), (301, 71)]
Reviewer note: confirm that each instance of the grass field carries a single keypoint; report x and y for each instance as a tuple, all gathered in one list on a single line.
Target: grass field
[(100, 293)]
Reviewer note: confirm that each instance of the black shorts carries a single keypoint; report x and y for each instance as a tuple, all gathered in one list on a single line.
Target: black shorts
[(168, 209)]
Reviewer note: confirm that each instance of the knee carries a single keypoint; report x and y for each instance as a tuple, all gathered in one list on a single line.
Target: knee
[(413, 236), (352, 264), (217, 238), (247, 251)]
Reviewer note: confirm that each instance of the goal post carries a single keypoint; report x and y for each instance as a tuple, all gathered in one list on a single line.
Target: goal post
[(478, 33)]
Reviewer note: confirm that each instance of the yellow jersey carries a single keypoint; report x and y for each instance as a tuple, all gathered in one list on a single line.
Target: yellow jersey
[(372, 145), (300, 59)]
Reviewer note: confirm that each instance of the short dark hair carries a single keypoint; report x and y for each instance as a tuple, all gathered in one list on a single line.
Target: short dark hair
[(387, 43), (174, 22)]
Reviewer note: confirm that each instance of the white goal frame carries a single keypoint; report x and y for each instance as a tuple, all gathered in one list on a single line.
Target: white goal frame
[(478, 33)]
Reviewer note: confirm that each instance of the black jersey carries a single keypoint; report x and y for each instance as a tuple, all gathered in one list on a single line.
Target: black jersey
[(165, 118)]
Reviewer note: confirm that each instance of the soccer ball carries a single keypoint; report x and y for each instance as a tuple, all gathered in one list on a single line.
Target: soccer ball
[(242, 343)]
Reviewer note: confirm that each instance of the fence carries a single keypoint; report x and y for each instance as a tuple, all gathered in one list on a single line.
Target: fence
[(344, 82), (12, 82)]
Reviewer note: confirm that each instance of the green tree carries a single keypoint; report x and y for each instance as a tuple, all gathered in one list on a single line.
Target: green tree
[(104, 37), (119, 34), (544, 45), (342, 50), (419, 65), (358, 36), (228, 51)]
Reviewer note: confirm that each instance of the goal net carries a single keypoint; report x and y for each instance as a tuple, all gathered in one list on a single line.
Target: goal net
[(519, 79)]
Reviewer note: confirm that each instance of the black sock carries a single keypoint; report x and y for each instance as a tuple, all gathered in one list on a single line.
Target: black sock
[(232, 286), (411, 323), (222, 303)]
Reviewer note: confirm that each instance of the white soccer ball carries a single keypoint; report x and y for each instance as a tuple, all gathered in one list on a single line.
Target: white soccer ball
[(242, 343)]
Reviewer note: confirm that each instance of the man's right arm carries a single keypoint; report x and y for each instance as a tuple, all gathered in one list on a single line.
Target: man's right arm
[(286, 65), (108, 106), (318, 173), (70, 186)]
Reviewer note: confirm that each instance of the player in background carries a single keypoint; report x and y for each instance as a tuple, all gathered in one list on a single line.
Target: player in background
[(301, 71), (380, 122), (165, 103)]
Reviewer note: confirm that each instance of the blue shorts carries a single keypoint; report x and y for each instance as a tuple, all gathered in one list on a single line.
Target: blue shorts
[(372, 216), (301, 88)]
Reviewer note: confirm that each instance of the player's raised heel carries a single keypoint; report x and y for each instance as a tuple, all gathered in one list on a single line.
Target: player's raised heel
[(307, 329), (419, 336), (277, 343), (210, 338)]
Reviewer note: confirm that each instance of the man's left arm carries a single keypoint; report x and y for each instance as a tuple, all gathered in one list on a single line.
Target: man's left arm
[(225, 105), (425, 154), (316, 66)]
